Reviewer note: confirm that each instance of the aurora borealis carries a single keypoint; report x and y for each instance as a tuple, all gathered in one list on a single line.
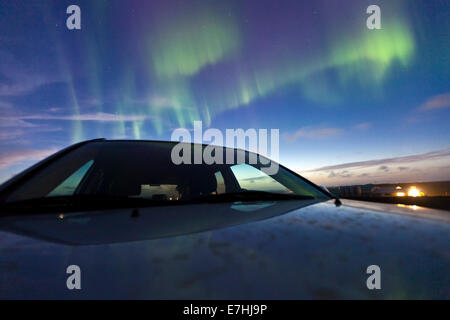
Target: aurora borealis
[(339, 92)]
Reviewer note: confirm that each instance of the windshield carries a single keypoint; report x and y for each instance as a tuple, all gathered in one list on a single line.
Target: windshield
[(144, 170)]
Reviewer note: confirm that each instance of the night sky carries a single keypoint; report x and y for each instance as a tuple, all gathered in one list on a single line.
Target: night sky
[(353, 105)]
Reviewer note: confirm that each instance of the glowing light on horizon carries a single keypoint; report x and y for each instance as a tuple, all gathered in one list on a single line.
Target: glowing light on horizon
[(413, 207), (414, 192)]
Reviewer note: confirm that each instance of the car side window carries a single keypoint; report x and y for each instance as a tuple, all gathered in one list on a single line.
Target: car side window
[(68, 186), (220, 182), (251, 178)]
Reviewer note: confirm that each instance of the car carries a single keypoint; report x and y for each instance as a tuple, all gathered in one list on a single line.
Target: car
[(137, 226)]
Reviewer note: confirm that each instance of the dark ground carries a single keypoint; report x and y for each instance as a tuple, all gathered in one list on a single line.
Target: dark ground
[(439, 202)]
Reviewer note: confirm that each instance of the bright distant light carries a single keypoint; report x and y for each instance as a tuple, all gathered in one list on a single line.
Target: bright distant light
[(414, 192), (400, 194), (398, 187), (413, 207)]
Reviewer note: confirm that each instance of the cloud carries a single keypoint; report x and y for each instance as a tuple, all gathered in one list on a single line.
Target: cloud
[(363, 175), (12, 133), (19, 156), (99, 116), (322, 132), (14, 125), (440, 101), (313, 133), (15, 122), (413, 158), (430, 166), (342, 174), (363, 126), (17, 78)]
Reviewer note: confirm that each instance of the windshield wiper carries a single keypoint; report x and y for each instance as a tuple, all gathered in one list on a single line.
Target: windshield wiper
[(248, 196)]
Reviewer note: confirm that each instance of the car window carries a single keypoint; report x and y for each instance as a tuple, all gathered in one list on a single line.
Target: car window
[(68, 186), (146, 170), (220, 183), (251, 178), (159, 192)]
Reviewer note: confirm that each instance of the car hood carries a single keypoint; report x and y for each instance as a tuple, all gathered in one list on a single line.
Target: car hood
[(265, 250)]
